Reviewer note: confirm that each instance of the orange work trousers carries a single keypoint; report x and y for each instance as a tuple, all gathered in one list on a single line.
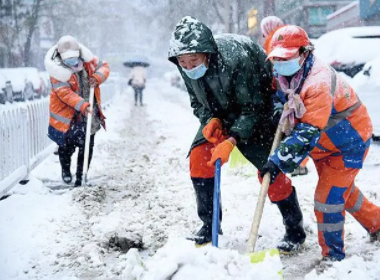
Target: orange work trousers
[(335, 194)]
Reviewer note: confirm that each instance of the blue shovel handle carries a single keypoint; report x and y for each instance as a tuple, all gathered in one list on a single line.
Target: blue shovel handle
[(216, 206)]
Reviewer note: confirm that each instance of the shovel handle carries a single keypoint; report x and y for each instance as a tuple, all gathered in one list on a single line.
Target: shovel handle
[(261, 199), (216, 204), (87, 141)]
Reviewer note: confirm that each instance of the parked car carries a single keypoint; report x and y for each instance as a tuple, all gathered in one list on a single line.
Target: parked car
[(348, 49), (6, 92), (45, 78), (22, 89), (367, 85), (33, 77), (175, 79)]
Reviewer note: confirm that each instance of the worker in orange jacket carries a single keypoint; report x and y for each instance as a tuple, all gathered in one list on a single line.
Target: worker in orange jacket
[(324, 118), (269, 25), (73, 69)]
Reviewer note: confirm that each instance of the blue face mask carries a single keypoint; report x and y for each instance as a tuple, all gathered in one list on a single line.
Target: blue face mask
[(72, 61), (196, 72), (287, 68)]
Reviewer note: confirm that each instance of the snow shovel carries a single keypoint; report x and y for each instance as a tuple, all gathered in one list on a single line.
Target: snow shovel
[(87, 141), (216, 205), (260, 256)]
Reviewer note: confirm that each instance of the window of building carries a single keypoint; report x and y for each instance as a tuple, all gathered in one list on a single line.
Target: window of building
[(318, 15)]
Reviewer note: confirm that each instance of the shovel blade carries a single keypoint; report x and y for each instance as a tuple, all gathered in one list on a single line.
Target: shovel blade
[(260, 256)]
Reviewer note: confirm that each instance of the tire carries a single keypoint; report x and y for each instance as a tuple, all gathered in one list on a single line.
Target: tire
[(10, 96), (2, 98), (28, 93), (22, 96)]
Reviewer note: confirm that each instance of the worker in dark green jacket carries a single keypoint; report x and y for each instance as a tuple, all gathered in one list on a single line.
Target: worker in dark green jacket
[(230, 88)]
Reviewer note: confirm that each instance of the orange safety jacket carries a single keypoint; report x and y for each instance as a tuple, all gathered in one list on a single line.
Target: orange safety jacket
[(65, 99), (335, 123)]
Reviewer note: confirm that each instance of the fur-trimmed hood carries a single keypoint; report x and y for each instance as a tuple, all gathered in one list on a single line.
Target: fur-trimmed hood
[(55, 67)]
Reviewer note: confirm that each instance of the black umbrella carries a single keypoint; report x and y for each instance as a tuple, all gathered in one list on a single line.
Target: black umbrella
[(136, 61)]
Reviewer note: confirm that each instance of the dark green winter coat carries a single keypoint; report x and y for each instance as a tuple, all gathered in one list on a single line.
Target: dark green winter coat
[(237, 85)]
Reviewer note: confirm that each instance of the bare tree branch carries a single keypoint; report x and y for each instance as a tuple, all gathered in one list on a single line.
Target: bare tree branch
[(214, 4), (32, 25)]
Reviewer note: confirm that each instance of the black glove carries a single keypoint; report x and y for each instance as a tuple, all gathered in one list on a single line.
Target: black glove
[(272, 168)]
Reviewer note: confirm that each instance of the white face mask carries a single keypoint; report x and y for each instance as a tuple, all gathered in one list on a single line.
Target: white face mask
[(77, 68), (287, 67), (196, 72)]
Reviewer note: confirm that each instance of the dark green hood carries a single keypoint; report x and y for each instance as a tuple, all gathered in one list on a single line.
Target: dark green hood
[(191, 36)]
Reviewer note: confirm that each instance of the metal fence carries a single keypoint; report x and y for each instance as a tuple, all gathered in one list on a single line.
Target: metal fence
[(23, 138)]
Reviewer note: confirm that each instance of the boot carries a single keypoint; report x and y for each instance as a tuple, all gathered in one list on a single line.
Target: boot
[(65, 160), (375, 236), (80, 161), (295, 235), (66, 176), (78, 180), (204, 190)]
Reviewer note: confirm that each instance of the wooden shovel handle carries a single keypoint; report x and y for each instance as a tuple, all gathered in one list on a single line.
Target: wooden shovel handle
[(261, 199)]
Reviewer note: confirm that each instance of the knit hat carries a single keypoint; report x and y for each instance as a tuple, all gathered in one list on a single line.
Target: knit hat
[(270, 24), (68, 47)]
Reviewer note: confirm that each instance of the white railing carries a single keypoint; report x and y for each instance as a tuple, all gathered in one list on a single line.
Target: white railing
[(23, 138), (22, 141)]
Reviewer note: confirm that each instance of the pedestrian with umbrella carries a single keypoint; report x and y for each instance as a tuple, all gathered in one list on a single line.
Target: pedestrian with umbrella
[(137, 79)]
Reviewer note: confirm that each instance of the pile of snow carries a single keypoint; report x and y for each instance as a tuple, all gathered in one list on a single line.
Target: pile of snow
[(349, 45), (180, 260), (354, 268), (2, 81)]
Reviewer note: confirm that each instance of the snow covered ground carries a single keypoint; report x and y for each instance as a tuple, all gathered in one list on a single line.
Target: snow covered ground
[(144, 197)]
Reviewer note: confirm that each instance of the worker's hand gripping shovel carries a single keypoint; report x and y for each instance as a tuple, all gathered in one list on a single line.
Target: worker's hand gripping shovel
[(87, 141)]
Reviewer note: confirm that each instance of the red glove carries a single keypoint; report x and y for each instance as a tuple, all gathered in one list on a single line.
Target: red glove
[(222, 151), (213, 131)]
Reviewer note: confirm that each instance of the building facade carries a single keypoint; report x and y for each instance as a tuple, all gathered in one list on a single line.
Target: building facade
[(348, 16), (370, 12), (309, 14)]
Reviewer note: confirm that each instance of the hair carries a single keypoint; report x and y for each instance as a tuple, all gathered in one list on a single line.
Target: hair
[(305, 49)]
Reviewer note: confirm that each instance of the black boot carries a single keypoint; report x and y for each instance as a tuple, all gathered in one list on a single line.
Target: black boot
[(295, 235), (204, 190), (80, 162), (64, 153), (78, 180), (66, 176)]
